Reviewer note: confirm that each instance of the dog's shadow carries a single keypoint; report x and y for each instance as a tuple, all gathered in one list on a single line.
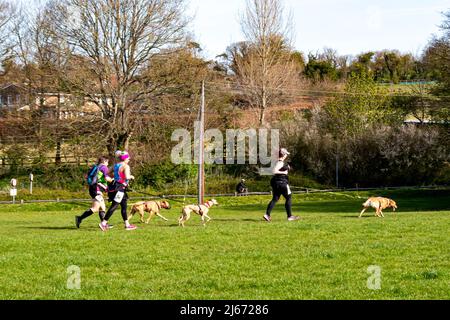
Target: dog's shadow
[(363, 217)]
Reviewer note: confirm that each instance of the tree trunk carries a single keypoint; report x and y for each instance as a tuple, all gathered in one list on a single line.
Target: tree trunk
[(58, 137), (262, 115), (58, 153), (119, 141)]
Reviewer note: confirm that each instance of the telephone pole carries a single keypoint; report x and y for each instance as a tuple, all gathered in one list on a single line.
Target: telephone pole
[(201, 160)]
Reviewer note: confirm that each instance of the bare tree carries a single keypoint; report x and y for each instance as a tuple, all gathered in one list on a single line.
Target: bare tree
[(42, 57), (7, 12), (115, 41), (268, 66)]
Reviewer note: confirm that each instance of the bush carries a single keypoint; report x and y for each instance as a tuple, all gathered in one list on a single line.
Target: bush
[(379, 156), (159, 175), (16, 156), (69, 177)]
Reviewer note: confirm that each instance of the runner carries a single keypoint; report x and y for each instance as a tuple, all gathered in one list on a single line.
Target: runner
[(280, 187), (97, 186), (122, 176)]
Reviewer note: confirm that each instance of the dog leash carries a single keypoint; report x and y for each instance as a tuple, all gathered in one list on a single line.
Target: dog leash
[(161, 196)]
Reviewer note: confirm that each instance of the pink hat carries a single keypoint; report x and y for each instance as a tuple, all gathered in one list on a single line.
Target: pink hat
[(123, 157)]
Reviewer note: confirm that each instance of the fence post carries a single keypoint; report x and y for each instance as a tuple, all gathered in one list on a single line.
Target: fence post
[(31, 183), (13, 190)]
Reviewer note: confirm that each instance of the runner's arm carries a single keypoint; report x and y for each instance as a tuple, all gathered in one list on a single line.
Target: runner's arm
[(278, 169), (128, 174)]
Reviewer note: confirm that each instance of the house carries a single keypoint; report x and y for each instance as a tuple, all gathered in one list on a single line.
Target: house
[(13, 97), (17, 98)]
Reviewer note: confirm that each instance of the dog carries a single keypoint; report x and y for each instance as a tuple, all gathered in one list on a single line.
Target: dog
[(378, 203), (152, 207), (201, 210)]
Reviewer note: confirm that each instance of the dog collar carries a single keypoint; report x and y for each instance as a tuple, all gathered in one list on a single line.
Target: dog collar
[(158, 204)]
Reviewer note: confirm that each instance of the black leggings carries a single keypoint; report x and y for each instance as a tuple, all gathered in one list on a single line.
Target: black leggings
[(114, 206), (280, 189)]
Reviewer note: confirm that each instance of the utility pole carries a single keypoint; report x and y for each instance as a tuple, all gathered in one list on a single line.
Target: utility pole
[(337, 166), (201, 160)]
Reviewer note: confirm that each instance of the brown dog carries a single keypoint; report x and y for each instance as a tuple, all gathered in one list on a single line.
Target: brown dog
[(378, 203), (201, 210), (152, 207)]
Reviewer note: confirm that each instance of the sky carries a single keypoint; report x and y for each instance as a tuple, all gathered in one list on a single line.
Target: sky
[(348, 26)]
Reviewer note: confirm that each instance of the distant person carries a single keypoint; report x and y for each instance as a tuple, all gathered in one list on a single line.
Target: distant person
[(97, 179), (241, 188), (280, 187)]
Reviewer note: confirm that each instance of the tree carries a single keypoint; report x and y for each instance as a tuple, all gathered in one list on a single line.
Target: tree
[(437, 57), (42, 57), (6, 13), (320, 68), (362, 64), (362, 104), (264, 66), (436, 60), (115, 41)]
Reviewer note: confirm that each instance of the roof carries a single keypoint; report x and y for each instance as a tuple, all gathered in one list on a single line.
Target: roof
[(8, 85)]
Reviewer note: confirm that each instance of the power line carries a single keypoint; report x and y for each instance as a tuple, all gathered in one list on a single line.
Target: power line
[(308, 92)]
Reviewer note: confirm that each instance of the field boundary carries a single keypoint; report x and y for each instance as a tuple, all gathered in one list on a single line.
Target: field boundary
[(296, 190)]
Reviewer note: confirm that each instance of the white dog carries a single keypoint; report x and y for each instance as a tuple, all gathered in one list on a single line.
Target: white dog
[(201, 210)]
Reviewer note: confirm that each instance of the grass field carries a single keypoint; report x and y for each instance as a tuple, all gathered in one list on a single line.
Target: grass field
[(237, 256)]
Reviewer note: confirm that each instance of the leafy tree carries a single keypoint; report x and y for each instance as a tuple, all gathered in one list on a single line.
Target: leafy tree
[(362, 64), (362, 104), (318, 69), (437, 62), (437, 57)]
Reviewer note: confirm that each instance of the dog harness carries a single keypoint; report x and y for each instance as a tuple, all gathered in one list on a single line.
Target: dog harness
[(207, 204)]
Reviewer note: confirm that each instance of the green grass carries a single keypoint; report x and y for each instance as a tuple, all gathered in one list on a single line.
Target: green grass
[(237, 256)]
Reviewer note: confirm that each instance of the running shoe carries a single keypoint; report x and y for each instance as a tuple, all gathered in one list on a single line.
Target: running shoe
[(77, 221), (103, 227)]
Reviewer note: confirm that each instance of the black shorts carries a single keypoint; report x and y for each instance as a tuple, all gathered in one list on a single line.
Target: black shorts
[(96, 189), (93, 191), (280, 186), (114, 188)]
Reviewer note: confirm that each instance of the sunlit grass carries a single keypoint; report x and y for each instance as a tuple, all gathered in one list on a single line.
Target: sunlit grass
[(237, 256)]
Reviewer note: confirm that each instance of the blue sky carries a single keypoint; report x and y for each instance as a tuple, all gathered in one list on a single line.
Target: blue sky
[(349, 26)]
